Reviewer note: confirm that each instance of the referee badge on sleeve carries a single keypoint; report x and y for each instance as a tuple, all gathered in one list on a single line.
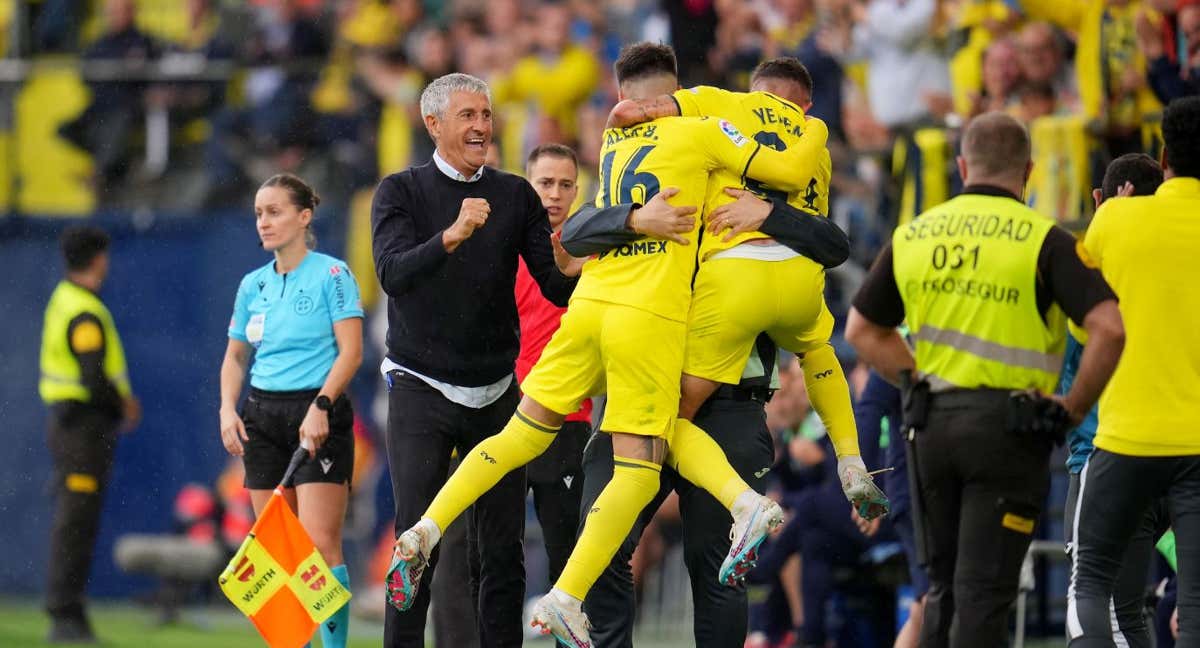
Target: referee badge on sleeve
[(254, 328)]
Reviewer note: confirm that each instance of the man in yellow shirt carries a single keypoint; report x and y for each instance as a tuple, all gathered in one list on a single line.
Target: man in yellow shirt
[(1146, 441), (624, 334)]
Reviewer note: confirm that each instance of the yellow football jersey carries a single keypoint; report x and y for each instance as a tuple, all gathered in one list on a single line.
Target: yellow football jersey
[(681, 152), (773, 122)]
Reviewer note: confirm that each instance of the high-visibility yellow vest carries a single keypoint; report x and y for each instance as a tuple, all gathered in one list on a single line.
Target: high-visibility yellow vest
[(967, 272), (61, 375)]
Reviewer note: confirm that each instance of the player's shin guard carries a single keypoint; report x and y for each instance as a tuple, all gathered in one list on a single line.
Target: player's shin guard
[(634, 483), (698, 459), (830, 397), (336, 629), (522, 440)]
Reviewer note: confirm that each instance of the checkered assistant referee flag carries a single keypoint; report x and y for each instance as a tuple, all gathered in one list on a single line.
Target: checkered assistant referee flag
[(278, 579)]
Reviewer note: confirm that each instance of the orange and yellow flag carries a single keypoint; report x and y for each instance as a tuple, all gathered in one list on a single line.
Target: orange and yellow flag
[(279, 579)]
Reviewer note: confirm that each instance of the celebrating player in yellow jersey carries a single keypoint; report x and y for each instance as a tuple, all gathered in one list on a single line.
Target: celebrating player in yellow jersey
[(624, 334), (747, 282)]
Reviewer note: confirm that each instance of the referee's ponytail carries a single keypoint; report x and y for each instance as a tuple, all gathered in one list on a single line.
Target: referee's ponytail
[(302, 195)]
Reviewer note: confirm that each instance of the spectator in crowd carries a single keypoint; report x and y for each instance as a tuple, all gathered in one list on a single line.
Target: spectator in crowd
[(740, 43), (908, 80), (554, 79), (190, 104), (1110, 68), (117, 109), (1173, 73), (976, 24), (277, 124), (1043, 60), (56, 25), (1001, 78)]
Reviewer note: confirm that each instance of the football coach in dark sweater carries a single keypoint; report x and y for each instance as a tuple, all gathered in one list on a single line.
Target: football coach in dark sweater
[(446, 237)]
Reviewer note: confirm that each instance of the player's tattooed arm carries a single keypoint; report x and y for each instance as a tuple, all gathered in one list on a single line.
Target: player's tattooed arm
[(629, 112)]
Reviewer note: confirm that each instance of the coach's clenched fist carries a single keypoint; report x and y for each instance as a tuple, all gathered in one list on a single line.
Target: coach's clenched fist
[(471, 216)]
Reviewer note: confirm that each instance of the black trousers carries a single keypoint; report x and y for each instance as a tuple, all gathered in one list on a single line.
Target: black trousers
[(1115, 493), (423, 429), (740, 428), (1129, 587), (82, 440), (982, 488), (556, 481)]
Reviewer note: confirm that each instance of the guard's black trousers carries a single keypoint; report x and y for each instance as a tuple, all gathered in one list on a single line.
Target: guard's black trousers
[(739, 427), (81, 440), (1115, 493), (423, 428), (982, 488)]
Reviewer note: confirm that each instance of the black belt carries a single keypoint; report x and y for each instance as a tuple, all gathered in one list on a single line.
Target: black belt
[(969, 397), (739, 393), (302, 394)]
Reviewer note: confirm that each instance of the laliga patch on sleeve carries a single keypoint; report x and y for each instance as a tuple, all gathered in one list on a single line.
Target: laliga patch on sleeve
[(1081, 251), (732, 133), (86, 337)]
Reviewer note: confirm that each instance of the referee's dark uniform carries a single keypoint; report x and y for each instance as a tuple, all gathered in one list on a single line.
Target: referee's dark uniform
[(983, 282), (451, 347), (734, 418)]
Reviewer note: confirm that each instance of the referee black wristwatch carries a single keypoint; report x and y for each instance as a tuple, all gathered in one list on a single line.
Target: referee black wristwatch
[(323, 403)]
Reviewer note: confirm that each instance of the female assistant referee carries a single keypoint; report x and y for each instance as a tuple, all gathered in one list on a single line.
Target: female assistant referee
[(301, 316)]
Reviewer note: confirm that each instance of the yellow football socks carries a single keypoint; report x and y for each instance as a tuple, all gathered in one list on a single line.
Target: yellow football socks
[(522, 440), (830, 397), (698, 459), (634, 483)]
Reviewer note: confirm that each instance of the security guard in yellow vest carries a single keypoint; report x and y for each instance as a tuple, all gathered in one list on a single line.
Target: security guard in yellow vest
[(984, 283), (84, 384)]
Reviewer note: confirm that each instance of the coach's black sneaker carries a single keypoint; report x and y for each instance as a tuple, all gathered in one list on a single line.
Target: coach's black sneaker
[(70, 630)]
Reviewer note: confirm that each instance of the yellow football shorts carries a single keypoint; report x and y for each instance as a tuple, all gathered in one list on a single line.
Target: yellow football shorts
[(633, 355), (736, 299)]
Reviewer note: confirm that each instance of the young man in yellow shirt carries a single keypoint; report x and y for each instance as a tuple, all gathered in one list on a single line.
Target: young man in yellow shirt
[(1146, 441)]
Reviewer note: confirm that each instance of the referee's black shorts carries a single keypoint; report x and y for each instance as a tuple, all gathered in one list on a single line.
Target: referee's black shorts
[(272, 422)]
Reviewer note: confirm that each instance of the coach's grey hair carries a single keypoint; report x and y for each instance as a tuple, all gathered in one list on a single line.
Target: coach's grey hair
[(436, 96)]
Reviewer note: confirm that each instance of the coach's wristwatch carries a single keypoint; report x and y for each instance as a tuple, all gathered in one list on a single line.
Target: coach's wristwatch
[(323, 403)]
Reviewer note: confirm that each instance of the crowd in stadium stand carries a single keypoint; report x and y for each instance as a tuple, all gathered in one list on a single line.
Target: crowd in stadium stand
[(329, 88), (233, 92)]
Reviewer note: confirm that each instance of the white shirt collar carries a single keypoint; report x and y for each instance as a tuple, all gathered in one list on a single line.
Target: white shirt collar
[(453, 173)]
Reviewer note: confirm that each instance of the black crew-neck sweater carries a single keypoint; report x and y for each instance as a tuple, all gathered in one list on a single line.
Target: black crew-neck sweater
[(452, 316)]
